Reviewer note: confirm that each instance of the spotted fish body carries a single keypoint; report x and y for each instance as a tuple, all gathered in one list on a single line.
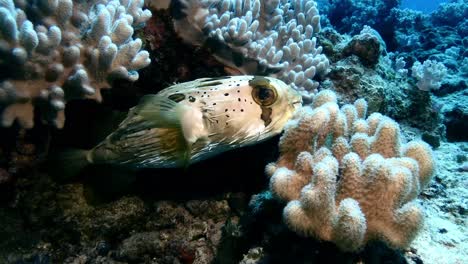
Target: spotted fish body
[(192, 121)]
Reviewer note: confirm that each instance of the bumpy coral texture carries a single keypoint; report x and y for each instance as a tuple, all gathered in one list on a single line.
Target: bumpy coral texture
[(259, 37), (429, 75), (57, 50), (349, 179)]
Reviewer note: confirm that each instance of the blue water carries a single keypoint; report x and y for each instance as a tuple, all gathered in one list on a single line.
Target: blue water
[(425, 6)]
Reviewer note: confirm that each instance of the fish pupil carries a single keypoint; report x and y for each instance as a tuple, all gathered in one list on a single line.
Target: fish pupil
[(264, 93)]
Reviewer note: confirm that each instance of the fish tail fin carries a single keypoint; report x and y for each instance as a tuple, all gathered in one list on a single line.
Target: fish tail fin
[(68, 164)]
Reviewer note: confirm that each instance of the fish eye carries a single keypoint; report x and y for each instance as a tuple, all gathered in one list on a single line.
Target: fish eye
[(264, 95)]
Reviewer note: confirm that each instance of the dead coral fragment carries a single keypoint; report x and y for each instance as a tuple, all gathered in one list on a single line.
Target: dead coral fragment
[(348, 179), (54, 51)]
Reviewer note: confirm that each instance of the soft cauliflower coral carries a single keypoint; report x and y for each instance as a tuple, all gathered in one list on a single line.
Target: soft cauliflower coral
[(348, 179), (429, 75)]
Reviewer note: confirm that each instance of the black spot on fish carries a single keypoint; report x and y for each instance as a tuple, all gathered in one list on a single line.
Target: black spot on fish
[(204, 92), (226, 94), (176, 97), (191, 99), (266, 115), (233, 110), (227, 116), (225, 110), (238, 84), (238, 91), (210, 84), (238, 99), (214, 103), (242, 110)]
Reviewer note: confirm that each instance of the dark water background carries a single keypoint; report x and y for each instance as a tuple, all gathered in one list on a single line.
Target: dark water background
[(425, 6)]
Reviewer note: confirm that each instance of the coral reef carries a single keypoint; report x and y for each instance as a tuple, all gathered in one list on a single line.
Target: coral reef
[(454, 14), (349, 16), (348, 179), (55, 51), (202, 214), (271, 37)]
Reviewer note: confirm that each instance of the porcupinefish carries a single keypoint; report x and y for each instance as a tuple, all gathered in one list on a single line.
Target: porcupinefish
[(189, 122)]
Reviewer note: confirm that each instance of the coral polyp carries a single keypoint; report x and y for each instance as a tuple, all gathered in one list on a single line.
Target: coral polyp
[(55, 51)]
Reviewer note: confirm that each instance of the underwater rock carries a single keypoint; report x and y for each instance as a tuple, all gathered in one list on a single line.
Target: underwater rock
[(76, 225), (456, 122), (350, 16), (366, 46), (431, 139), (141, 244), (454, 111), (4, 176), (172, 60), (384, 86), (449, 87), (254, 256), (352, 80), (451, 13)]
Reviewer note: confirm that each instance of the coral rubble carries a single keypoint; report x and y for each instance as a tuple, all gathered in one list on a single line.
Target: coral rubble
[(270, 37), (348, 179), (55, 51)]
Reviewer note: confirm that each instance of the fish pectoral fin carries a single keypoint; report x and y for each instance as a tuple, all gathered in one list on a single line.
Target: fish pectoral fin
[(193, 125), (160, 111)]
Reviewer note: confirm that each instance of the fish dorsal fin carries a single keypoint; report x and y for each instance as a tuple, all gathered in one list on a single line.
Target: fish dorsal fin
[(161, 112)]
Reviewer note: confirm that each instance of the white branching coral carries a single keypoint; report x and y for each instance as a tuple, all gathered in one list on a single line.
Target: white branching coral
[(349, 179), (56, 50), (259, 37), (429, 75)]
